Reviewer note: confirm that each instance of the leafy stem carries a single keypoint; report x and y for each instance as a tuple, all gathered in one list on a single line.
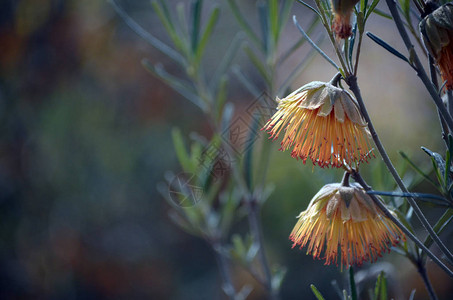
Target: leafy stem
[(352, 82)]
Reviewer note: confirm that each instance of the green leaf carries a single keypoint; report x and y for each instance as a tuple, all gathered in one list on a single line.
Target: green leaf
[(323, 54), (177, 84), (225, 62), (229, 204), (258, 64), (363, 5), (278, 274), (264, 25), (416, 168), (273, 20), (352, 284), (439, 227), (405, 7), (310, 7), (412, 295), (221, 97), (169, 27), (181, 152), (403, 219), (380, 291), (149, 38), (248, 84), (243, 23), (184, 224), (284, 15), (300, 42), (196, 20), (207, 34), (316, 292), (439, 168), (386, 46), (435, 199), (448, 158), (371, 8), (304, 62), (382, 14), (248, 157)]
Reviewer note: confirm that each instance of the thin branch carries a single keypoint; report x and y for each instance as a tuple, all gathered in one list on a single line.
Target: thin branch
[(418, 65), (227, 283), (421, 268), (323, 54), (352, 82), (257, 232), (358, 178)]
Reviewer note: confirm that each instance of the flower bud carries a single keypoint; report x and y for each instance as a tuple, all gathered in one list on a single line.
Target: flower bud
[(437, 32), (342, 10)]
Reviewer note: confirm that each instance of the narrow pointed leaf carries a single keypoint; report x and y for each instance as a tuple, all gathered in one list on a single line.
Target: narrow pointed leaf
[(226, 60), (243, 23), (159, 45), (258, 63), (246, 82), (314, 45), (310, 7), (382, 14), (264, 25), (300, 42), (315, 291), (273, 19), (352, 284), (207, 33), (169, 27), (181, 152), (386, 46), (178, 85), (371, 8), (439, 227), (196, 20)]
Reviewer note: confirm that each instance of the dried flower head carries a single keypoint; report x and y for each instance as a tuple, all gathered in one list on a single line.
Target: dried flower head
[(342, 10), (344, 221), (437, 32), (321, 122)]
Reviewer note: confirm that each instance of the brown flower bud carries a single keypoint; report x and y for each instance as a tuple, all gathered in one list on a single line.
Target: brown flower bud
[(437, 32), (342, 10)]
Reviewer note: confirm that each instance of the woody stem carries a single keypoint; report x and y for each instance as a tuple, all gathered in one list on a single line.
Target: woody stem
[(352, 82), (358, 178)]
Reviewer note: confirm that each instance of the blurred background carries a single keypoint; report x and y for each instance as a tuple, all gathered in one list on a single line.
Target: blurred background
[(85, 137)]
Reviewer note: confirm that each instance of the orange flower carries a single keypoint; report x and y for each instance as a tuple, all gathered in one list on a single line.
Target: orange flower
[(342, 10), (323, 123), (437, 32), (344, 221)]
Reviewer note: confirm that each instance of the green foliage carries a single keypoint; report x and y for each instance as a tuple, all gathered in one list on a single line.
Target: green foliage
[(380, 291)]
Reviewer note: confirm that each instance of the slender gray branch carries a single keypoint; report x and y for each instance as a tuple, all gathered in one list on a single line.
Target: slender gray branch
[(421, 268), (352, 82), (358, 178), (418, 65)]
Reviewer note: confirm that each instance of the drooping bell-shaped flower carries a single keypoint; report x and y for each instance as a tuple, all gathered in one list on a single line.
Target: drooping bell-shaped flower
[(343, 225), (321, 122)]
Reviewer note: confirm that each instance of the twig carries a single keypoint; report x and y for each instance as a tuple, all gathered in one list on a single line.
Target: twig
[(257, 233), (418, 65), (352, 82), (227, 283), (358, 178), (421, 268)]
